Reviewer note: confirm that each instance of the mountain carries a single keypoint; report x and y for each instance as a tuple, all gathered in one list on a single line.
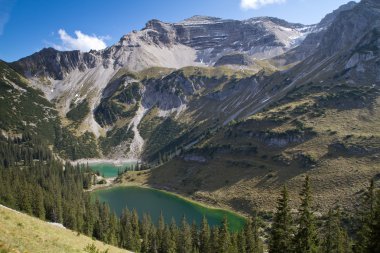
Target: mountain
[(230, 110), (78, 81), (308, 46), (320, 117), (24, 109)]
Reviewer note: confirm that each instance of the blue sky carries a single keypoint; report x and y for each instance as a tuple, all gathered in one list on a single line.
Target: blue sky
[(27, 26)]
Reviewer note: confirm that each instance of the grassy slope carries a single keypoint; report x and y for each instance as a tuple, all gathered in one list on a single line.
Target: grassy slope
[(22, 233)]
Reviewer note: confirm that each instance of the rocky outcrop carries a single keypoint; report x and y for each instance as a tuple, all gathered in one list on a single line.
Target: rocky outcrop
[(194, 158), (339, 148), (234, 59), (314, 38)]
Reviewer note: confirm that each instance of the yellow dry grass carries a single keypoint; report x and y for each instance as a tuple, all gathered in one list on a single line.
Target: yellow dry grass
[(22, 233)]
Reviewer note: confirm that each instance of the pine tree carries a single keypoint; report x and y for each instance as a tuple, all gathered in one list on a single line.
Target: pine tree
[(38, 203), (366, 216), (204, 236), (214, 239), (224, 237), (135, 230), (194, 237), (145, 231), (242, 244), (334, 235), (160, 232), (281, 232), (374, 245), (112, 231), (249, 236), (184, 239), (306, 237), (234, 243), (126, 230), (256, 235), (174, 230), (168, 242)]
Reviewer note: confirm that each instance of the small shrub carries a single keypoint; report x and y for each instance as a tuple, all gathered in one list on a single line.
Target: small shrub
[(91, 248)]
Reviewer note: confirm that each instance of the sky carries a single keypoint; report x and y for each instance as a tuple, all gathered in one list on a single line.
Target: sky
[(27, 26)]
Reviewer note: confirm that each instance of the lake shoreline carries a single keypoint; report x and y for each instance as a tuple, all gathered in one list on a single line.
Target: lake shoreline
[(98, 160), (198, 202)]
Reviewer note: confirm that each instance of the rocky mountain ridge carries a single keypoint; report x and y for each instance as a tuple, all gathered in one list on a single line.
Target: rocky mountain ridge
[(144, 75)]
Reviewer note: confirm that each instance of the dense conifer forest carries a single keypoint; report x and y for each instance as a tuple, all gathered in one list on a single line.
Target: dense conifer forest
[(36, 183)]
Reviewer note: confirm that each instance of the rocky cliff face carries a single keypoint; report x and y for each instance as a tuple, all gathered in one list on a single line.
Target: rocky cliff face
[(195, 41), (313, 39)]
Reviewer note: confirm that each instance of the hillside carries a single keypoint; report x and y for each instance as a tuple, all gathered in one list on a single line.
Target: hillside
[(22, 233), (320, 117), (245, 164)]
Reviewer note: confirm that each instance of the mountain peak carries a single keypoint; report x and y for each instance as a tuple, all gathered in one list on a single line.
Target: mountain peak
[(274, 20), (329, 18), (199, 19)]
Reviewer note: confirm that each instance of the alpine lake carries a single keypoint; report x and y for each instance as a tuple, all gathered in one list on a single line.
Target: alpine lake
[(154, 202), (110, 169)]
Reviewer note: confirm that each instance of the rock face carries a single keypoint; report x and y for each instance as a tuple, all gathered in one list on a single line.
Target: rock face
[(195, 41), (263, 37), (234, 59), (311, 42)]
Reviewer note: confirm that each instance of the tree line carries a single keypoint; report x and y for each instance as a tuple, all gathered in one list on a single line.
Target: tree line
[(32, 181)]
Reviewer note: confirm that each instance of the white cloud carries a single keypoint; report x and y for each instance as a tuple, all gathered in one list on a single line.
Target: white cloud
[(82, 42), (5, 11), (4, 17), (256, 4)]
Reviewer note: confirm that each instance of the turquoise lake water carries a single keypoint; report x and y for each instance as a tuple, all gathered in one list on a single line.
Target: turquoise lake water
[(110, 169), (154, 202)]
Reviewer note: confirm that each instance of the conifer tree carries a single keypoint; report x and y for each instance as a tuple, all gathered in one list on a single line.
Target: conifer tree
[(214, 239), (256, 235), (234, 243), (194, 237), (334, 235), (174, 230), (366, 217), (145, 231), (184, 239), (126, 231), (242, 244), (38, 204), (160, 232), (281, 231), (112, 231), (374, 246), (168, 242), (224, 237), (136, 242), (306, 236), (249, 236), (204, 236)]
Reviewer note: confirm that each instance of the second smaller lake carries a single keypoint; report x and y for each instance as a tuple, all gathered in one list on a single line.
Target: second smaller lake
[(109, 169)]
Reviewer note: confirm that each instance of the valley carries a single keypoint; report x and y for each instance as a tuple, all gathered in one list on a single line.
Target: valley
[(230, 123)]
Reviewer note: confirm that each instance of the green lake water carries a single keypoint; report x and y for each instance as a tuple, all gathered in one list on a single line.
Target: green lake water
[(110, 169), (154, 202)]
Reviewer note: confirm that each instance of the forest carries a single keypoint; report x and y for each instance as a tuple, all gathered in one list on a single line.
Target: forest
[(34, 181)]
